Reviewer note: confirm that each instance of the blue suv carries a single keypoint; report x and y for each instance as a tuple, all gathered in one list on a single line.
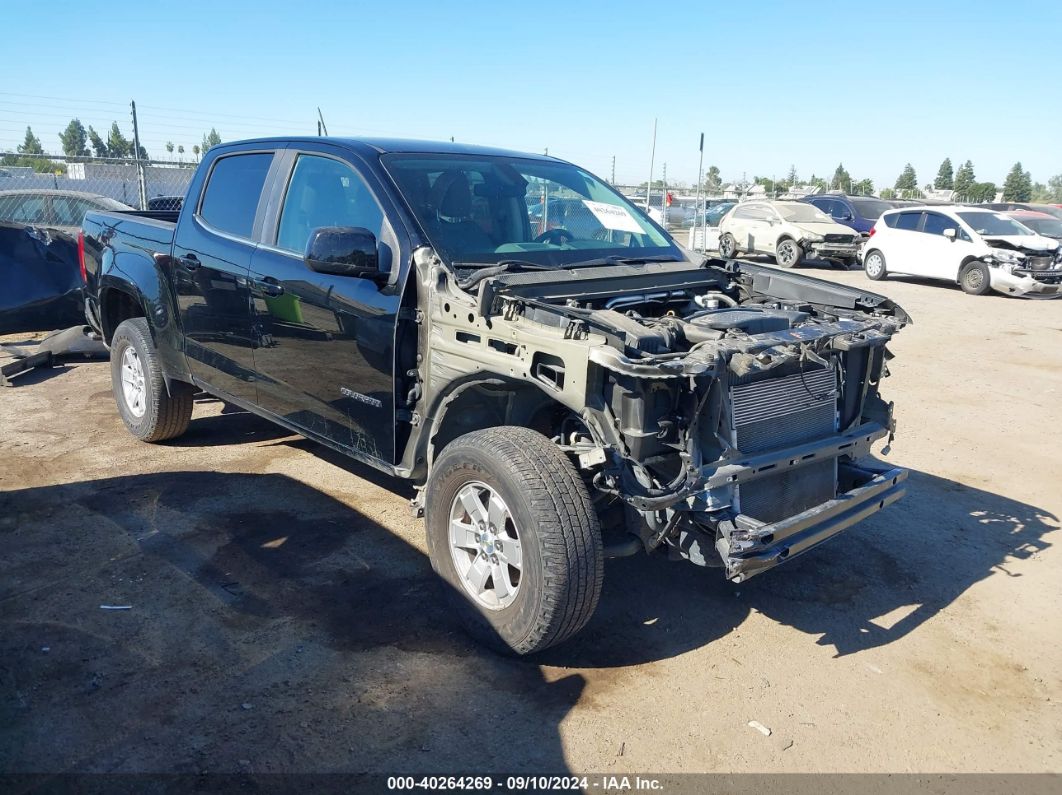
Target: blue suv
[(858, 212)]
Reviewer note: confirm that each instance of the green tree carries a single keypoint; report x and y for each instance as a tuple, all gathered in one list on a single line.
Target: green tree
[(945, 178), (74, 139), (982, 192), (865, 187), (908, 180), (842, 180), (1054, 189), (195, 151), (99, 146), (888, 193), (117, 144), (210, 139), (1018, 185), (791, 178), (712, 180), (180, 152), (169, 148), (31, 145), (964, 180)]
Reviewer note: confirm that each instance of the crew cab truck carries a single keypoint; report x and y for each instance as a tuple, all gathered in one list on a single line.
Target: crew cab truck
[(557, 394)]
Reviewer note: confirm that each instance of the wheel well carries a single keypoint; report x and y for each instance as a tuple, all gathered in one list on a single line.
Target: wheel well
[(488, 405), (117, 306)]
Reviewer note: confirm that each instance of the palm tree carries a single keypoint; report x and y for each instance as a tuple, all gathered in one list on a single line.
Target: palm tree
[(169, 148), (195, 151), (180, 153)]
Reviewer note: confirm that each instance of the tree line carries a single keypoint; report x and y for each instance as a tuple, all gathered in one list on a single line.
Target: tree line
[(79, 141)]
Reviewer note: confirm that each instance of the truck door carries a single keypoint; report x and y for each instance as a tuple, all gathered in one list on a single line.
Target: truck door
[(211, 257), (325, 344)]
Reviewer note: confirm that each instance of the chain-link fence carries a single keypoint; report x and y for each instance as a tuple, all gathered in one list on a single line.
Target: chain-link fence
[(118, 179)]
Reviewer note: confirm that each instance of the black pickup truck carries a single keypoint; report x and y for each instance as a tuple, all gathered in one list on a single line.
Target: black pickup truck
[(558, 379)]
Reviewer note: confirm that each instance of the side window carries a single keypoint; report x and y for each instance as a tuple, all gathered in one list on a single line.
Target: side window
[(936, 224), (24, 209), (828, 206), (324, 192), (840, 211), (908, 221), (69, 211), (743, 212), (230, 200)]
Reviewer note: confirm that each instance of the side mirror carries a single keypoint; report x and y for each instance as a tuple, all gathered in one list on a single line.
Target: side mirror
[(950, 234), (845, 217), (343, 251)]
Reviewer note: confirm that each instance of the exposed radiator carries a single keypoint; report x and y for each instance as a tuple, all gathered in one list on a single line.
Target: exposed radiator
[(781, 412)]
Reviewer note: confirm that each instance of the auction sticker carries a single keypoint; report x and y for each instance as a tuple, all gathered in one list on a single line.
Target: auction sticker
[(613, 216)]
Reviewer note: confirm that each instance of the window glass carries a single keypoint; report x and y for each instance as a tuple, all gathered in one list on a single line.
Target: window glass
[(23, 209), (69, 211), (324, 192), (936, 224), (231, 197), (908, 221), (743, 211)]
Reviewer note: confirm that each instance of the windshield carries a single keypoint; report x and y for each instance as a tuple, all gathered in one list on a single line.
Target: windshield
[(489, 209), (871, 209), (1051, 227), (801, 213), (994, 224)]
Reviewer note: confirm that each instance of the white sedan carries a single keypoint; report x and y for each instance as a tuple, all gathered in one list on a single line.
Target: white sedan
[(978, 249)]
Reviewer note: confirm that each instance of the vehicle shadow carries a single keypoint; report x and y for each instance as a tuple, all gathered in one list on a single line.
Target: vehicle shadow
[(868, 587), (269, 629)]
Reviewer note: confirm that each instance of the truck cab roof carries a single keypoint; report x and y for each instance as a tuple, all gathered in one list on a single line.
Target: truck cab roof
[(379, 146)]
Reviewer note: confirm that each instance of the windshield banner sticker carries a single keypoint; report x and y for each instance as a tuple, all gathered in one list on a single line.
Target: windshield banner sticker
[(613, 216)]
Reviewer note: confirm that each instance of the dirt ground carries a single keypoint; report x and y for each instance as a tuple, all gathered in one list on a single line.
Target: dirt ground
[(284, 618)]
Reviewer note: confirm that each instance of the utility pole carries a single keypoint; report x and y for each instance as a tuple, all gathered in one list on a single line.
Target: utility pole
[(613, 180), (140, 176), (652, 158), (700, 209), (663, 200)]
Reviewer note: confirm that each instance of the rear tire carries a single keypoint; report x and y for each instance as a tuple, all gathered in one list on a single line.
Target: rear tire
[(727, 246), (513, 534), (149, 411), (788, 253), (874, 265), (975, 279)]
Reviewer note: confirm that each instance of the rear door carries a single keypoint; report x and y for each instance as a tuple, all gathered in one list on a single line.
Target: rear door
[(903, 254), (212, 253), (325, 344)]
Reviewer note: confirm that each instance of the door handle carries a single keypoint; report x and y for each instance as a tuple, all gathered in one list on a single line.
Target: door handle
[(189, 262), (270, 286)]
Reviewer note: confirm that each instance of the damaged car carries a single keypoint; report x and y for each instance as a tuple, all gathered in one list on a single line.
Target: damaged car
[(789, 231), (556, 396), (980, 250), (42, 280)]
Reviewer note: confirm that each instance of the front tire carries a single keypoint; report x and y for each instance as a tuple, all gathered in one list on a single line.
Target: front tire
[(788, 253), (513, 534), (149, 411), (874, 265), (975, 279), (727, 246)]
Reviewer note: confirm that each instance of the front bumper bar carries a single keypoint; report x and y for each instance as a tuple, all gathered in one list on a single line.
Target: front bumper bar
[(753, 547)]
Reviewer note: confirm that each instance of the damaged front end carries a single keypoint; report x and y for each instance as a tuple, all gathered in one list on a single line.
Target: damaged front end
[(1024, 270), (721, 412)]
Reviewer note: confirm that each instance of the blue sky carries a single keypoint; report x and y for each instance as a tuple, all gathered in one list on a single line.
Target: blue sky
[(872, 85)]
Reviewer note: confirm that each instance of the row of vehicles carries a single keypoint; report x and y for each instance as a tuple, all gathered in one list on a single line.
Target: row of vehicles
[(1015, 249)]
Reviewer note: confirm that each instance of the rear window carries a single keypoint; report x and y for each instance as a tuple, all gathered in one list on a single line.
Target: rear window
[(230, 200)]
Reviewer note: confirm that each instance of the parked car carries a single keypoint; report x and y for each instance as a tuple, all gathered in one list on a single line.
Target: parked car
[(789, 231), (712, 215), (1041, 223), (978, 249), (172, 203), (1050, 209), (53, 209), (41, 278), (857, 212), (351, 291)]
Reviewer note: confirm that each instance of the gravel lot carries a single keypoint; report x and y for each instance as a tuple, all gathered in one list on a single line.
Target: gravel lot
[(284, 618)]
